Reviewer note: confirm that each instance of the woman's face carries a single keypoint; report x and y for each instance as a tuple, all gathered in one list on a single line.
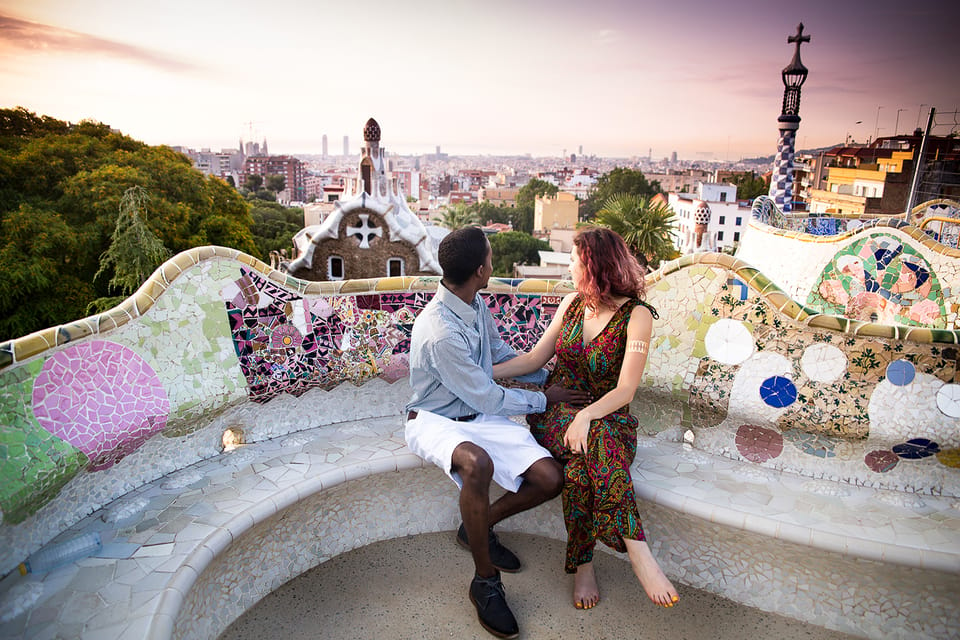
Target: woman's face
[(576, 267)]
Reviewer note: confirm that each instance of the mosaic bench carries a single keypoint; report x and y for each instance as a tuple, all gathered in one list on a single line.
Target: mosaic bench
[(751, 484), (881, 268)]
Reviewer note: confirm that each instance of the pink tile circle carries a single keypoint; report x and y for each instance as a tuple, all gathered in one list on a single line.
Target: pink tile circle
[(102, 398)]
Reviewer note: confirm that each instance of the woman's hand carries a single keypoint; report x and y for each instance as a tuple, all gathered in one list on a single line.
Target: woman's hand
[(575, 439)]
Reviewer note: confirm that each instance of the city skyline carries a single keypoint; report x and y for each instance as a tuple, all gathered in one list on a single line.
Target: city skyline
[(615, 77)]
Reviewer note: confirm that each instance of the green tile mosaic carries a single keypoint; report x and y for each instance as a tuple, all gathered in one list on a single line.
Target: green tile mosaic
[(879, 278), (34, 464)]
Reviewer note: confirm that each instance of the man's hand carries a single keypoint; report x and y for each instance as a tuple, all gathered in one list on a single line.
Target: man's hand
[(556, 393)]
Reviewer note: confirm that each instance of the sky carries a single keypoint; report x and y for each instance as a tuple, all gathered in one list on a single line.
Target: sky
[(618, 78)]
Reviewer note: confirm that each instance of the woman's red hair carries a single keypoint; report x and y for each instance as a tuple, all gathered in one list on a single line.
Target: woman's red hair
[(609, 269)]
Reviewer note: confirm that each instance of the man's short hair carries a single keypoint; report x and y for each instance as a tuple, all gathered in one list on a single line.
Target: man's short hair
[(461, 253)]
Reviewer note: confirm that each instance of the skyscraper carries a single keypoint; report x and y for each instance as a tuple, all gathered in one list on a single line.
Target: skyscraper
[(346, 145), (324, 145)]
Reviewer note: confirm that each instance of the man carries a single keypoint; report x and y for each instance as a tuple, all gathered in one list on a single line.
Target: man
[(458, 419)]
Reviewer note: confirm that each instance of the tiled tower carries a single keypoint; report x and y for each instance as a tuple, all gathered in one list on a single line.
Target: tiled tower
[(794, 75)]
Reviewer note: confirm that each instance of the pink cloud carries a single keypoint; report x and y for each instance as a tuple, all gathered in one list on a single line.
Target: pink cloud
[(17, 34)]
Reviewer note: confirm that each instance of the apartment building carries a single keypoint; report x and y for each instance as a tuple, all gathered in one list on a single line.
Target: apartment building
[(559, 211), (223, 164), (710, 219), (674, 181), (289, 167), (876, 179), (499, 196)]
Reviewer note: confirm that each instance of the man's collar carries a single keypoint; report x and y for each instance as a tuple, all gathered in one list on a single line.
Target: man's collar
[(453, 302)]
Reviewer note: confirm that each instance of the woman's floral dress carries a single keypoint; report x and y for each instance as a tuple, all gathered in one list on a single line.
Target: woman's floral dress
[(598, 499)]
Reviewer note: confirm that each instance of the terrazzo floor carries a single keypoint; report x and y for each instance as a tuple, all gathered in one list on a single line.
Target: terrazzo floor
[(415, 587)]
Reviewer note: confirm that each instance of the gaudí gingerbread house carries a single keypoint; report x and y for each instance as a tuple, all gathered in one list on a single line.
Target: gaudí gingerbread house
[(371, 233)]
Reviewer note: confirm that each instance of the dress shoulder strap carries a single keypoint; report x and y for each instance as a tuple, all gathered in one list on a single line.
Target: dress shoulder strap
[(650, 308)]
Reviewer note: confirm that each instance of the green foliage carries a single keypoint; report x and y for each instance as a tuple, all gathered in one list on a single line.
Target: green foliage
[(526, 200), (647, 228), (749, 186), (520, 218), (38, 284), (456, 216), (276, 183), (262, 195), (134, 252), (19, 124), (512, 247), (253, 183), (487, 212), (617, 181), (536, 187), (274, 227), (61, 186)]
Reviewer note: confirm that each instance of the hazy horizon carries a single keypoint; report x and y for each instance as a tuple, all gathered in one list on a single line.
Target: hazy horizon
[(500, 77)]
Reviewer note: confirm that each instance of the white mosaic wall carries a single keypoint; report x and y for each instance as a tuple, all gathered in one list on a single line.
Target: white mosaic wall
[(777, 255)]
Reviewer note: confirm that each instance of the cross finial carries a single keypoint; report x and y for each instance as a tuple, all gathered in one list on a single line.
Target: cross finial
[(799, 38)]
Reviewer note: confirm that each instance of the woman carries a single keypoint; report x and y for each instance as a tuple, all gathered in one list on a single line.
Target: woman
[(600, 335)]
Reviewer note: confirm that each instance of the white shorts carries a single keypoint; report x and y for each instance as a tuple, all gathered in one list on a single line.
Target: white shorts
[(510, 446)]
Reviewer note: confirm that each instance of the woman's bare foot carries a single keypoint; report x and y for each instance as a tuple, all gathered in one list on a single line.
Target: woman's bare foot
[(659, 589), (586, 594)]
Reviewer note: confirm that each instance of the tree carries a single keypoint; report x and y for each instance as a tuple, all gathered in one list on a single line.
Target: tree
[(647, 228), (618, 181), (750, 186), (514, 247), (134, 252), (529, 192), (487, 213), (526, 200), (456, 216), (61, 186), (253, 182), (39, 286), (274, 227), (276, 183)]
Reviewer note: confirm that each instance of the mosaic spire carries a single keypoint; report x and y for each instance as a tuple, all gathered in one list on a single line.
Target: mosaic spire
[(793, 75)]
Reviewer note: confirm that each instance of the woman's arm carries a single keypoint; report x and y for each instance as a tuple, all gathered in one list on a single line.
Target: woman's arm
[(639, 330), (541, 353)]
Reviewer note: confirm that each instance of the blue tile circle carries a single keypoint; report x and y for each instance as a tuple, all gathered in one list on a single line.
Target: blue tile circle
[(916, 448), (901, 372), (778, 391)]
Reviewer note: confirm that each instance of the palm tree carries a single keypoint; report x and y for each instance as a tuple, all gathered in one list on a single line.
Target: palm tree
[(457, 216), (647, 227)]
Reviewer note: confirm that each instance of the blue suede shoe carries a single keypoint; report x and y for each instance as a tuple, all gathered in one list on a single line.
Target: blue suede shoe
[(501, 557), (488, 596)]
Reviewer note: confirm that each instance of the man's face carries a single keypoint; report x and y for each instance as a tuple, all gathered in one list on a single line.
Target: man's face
[(487, 269)]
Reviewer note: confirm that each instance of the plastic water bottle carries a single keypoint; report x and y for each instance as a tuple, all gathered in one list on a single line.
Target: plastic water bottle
[(57, 555)]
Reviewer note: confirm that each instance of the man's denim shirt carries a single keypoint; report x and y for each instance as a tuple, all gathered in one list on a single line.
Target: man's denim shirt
[(452, 352)]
